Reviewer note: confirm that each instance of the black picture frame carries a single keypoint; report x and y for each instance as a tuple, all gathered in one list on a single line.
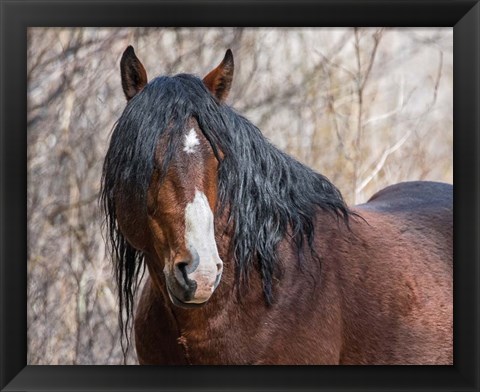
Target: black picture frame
[(16, 16)]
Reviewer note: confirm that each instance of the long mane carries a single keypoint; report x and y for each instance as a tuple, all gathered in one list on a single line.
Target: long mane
[(269, 195)]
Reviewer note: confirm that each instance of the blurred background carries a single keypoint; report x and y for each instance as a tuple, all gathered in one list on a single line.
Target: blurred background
[(366, 107)]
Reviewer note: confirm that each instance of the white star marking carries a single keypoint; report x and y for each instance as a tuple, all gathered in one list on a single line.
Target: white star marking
[(191, 140)]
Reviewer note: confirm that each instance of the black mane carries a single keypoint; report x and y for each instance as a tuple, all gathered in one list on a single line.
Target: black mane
[(270, 196)]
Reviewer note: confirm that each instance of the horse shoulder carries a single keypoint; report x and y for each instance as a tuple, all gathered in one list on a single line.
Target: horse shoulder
[(395, 274)]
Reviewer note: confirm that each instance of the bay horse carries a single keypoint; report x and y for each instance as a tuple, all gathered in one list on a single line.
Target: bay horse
[(254, 258)]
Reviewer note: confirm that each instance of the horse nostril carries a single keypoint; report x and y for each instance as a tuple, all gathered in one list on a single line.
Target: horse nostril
[(182, 264), (182, 267), (219, 267)]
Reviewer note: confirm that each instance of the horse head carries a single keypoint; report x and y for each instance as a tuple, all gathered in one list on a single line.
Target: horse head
[(176, 230)]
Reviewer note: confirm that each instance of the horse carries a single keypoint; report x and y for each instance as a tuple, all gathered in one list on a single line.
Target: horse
[(253, 257)]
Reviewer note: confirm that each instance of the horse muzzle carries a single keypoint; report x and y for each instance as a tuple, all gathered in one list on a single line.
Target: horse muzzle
[(190, 288)]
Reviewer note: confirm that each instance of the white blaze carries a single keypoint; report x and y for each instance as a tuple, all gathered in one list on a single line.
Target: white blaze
[(200, 240), (191, 140)]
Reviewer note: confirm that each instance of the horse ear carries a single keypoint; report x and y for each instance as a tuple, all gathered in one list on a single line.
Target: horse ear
[(134, 76), (219, 80)]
